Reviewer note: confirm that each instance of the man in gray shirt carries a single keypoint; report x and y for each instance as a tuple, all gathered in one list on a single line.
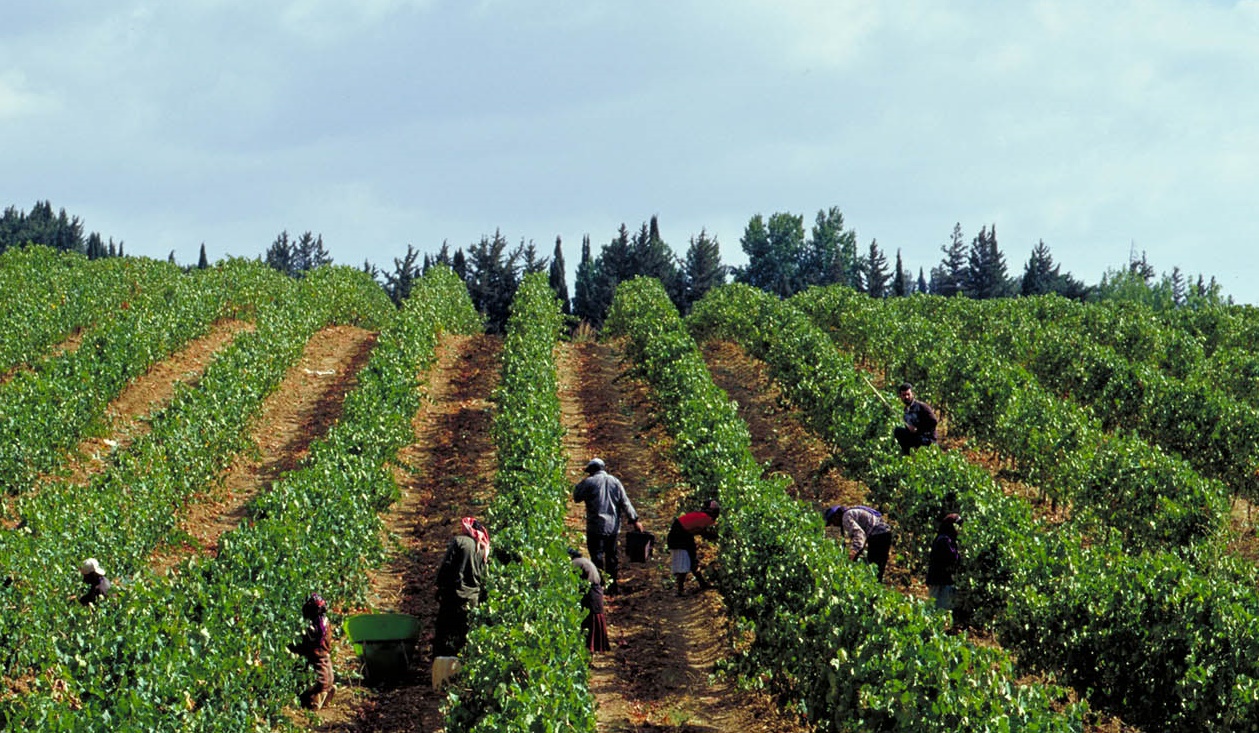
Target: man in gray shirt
[(606, 501)]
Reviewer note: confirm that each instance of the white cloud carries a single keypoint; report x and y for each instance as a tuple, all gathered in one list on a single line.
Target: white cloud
[(17, 100)]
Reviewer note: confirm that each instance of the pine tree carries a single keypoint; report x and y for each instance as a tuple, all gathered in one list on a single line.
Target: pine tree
[(203, 262), (1178, 287), (532, 263), (493, 276), (775, 251), (703, 270), (280, 255), (1040, 273), (558, 279), (613, 265), (986, 273), (95, 246), (922, 283), (947, 279), (398, 284), (308, 254), (876, 275), (459, 263), (831, 253), (651, 257)]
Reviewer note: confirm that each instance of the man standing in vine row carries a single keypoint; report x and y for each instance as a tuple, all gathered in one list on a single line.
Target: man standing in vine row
[(606, 502)]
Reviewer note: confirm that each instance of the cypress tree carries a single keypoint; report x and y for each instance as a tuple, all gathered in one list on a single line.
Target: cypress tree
[(558, 279)]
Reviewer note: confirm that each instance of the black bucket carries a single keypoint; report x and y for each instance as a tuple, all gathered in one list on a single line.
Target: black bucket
[(638, 545)]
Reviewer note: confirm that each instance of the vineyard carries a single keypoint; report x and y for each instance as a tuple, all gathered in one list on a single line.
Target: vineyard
[(226, 441)]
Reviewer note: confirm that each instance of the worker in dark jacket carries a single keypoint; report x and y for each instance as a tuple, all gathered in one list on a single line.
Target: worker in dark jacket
[(595, 624), (606, 502), (98, 585), (681, 542), (920, 421), (866, 530), (316, 646), (460, 586), (942, 563)]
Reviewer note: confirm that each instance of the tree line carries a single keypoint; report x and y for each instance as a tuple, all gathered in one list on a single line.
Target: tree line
[(782, 258), (60, 231)]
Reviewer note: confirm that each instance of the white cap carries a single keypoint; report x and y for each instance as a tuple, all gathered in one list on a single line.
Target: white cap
[(90, 565)]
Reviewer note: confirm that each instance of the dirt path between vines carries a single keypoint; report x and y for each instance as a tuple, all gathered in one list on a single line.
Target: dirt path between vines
[(126, 417), (301, 410), (780, 438), (445, 474), (69, 345), (657, 676)]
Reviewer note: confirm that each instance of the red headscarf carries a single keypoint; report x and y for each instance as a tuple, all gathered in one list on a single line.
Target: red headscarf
[(478, 532)]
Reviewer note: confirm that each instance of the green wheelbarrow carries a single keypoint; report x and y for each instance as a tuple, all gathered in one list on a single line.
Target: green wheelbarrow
[(383, 641)]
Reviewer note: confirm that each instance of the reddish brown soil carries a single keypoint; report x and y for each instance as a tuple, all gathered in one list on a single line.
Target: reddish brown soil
[(126, 418), (307, 402), (659, 674), (445, 475)]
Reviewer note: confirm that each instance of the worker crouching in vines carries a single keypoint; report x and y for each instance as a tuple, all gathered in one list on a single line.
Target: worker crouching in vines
[(316, 646), (98, 585), (681, 541), (866, 530), (595, 624), (920, 421)]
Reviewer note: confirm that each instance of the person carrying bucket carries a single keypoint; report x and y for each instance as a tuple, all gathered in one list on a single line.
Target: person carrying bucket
[(606, 502)]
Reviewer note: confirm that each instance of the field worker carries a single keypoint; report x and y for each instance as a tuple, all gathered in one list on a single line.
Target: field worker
[(460, 586), (97, 584), (595, 624), (920, 421), (316, 646), (606, 501), (866, 530), (681, 542), (942, 562)]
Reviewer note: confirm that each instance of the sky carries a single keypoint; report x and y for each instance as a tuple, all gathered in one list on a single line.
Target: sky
[(1102, 129)]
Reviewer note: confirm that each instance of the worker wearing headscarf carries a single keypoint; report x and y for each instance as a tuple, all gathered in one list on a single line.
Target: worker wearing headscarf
[(460, 586)]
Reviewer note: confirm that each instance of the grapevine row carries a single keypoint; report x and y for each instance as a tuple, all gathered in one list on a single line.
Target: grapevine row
[(525, 665), (1165, 645), (131, 508), (851, 653)]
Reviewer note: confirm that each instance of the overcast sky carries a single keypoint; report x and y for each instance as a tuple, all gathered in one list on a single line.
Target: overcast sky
[(1098, 127)]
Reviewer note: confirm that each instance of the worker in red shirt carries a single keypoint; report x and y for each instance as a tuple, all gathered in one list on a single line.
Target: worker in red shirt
[(681, 541)]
